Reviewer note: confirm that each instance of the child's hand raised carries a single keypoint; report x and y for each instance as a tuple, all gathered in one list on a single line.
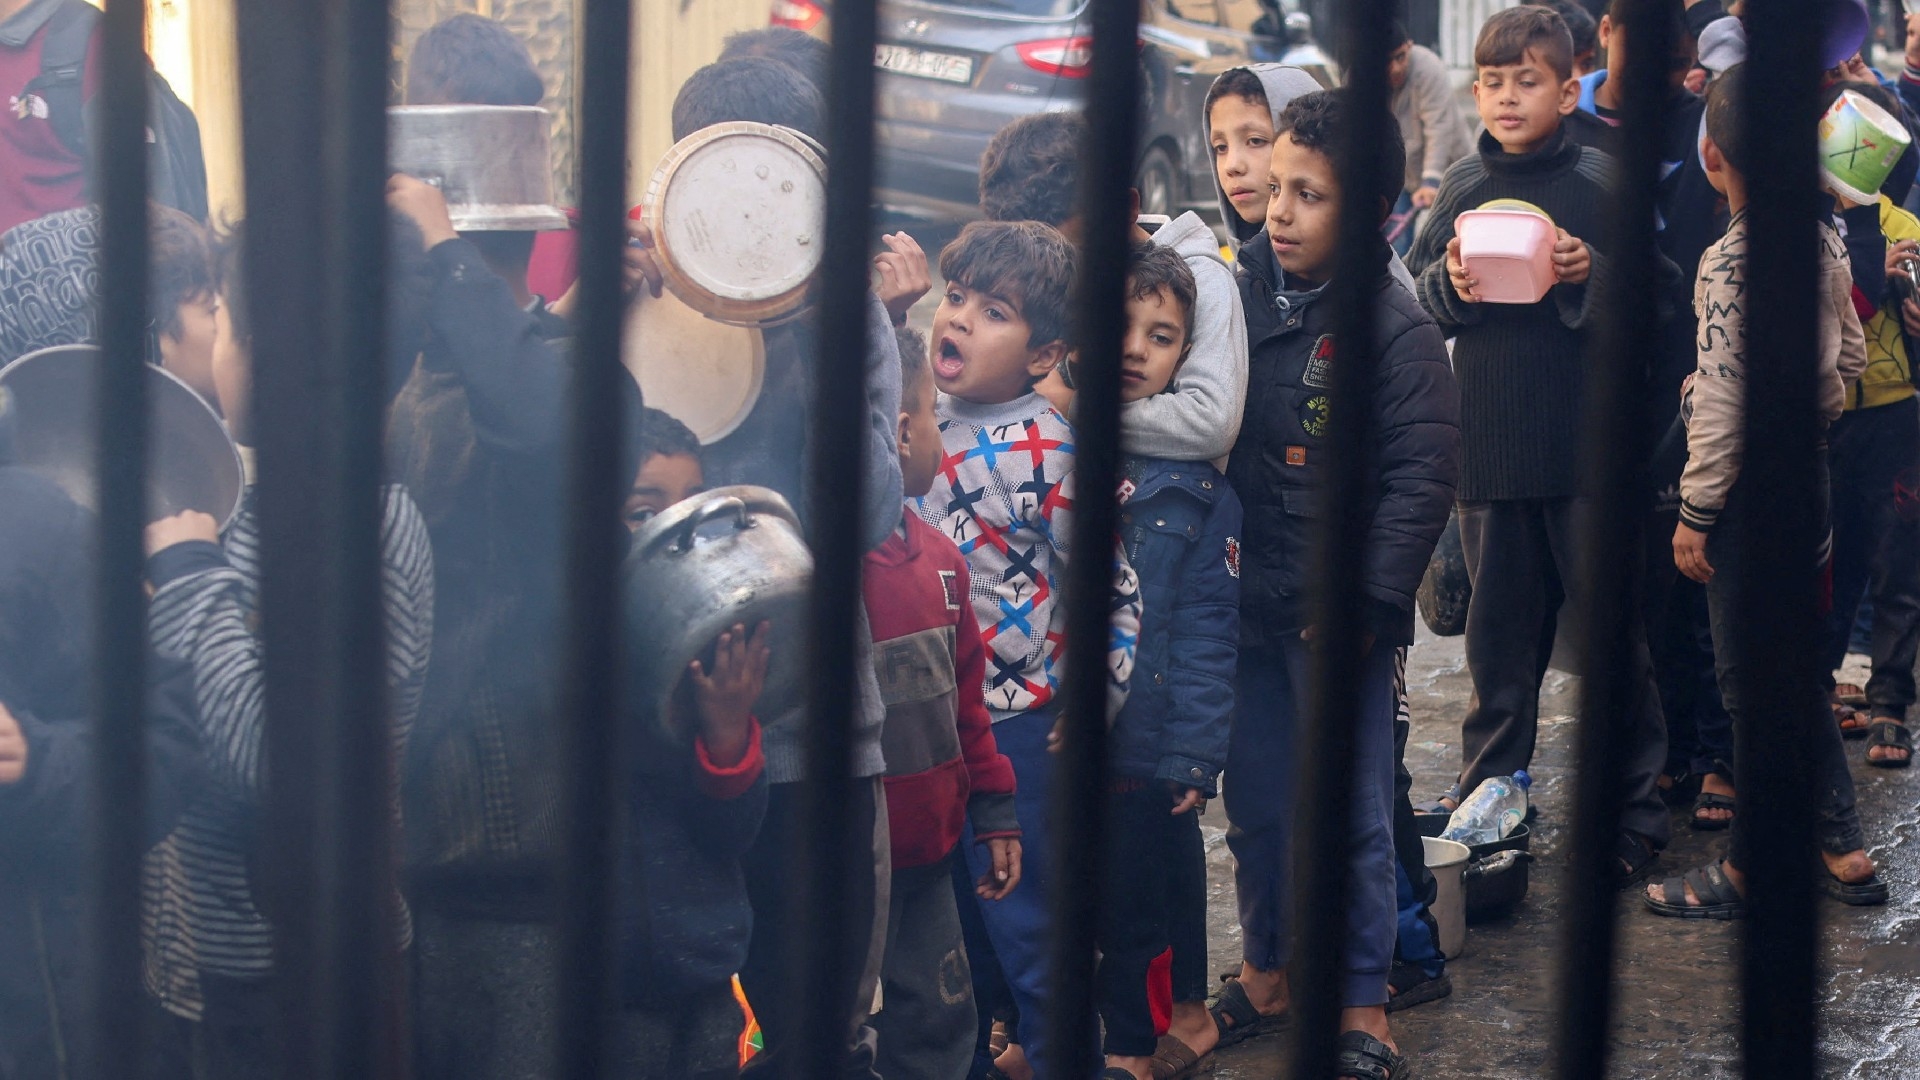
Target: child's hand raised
[(1571, 259), (904, 277), (726, 698), (1457, 273), (423, 203), (183, 527), (996, 883), (637, 268), (13, 749)]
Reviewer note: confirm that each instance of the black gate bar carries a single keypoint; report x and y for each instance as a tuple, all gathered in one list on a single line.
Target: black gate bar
[(120, 609), (1327, 756), (1612, 543), (1778, 610), (837, 437), (1079, 846), (590, 686)]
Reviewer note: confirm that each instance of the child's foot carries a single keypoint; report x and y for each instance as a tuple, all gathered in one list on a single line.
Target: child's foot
[(1193, 1025), (1713, 891), (1013, 1064), (1714, 808), (1139, 1068), (1889, 743), (1251, 1003)]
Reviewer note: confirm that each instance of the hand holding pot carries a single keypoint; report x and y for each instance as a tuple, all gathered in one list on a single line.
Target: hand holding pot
[(725, 699)]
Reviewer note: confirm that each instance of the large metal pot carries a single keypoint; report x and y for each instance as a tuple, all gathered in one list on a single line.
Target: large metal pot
[(191, 464), (491, 162), (734, 555)]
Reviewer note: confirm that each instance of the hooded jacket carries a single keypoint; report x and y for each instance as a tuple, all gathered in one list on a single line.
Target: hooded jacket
[(1276, 465), (1198, 419), (48, 819)]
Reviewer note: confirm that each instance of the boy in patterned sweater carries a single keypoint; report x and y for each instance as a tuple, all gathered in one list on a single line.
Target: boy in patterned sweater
[(1004, 495)]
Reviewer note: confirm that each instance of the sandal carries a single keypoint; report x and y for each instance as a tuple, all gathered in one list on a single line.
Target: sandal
[(1364, 1057), (1869, 893), (1439, 805), (1237, 1019), (1411, 985), (1850, 694), (1711, 886), (1680, 789), (1892, 734), (1634, 857), (1174, 1060), (1710, 800), (1852, 724)]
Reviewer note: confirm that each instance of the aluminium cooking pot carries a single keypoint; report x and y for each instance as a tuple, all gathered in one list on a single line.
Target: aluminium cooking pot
[(191, 463), (733, 555), (492, 163)]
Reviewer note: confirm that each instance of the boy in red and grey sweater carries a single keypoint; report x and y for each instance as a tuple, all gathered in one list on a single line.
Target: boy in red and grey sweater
[(942, 764)]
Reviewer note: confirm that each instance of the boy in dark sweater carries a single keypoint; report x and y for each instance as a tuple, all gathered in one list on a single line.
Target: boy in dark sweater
[(1276, 471), (1522, 372), (945, 775)]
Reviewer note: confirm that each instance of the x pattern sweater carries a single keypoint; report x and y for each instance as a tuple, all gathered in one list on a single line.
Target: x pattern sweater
[(1004, 496)]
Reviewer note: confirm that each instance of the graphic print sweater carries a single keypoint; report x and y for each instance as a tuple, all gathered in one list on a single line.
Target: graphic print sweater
[(1004, 496)]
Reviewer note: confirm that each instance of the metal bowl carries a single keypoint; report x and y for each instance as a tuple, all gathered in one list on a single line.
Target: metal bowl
[(491, 161), (191, 464)]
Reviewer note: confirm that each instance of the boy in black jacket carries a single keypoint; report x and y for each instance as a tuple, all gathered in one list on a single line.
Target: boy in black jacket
[(1522, 370), (1274, 468)]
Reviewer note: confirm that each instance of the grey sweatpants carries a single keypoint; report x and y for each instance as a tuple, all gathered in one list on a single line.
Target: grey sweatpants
[(926, 1022)]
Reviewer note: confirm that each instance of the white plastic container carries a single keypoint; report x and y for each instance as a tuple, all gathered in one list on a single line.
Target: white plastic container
[(1447, 861), (1508, 253)]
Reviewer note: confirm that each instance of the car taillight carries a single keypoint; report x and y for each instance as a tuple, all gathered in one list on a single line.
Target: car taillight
[(1069, 58), (799, 14)]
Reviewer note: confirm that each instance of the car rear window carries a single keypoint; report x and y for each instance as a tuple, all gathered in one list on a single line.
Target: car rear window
[(1026, 9)]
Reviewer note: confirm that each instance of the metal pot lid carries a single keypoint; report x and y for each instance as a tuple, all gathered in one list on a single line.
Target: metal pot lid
[(192, 464), (493, 162), (665, 530)]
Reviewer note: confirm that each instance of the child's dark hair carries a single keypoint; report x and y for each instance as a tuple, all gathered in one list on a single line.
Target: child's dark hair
[(1151, 268), (751, 88), (410, 281), (1581, 26), (1318, 121), (472, 60), (1725, 98), (1507, 36), (1236, 82), (914, 370), (801, 51), (1397, 35), (661, 434), (181, 265), (1032, 167), (1026, 262)]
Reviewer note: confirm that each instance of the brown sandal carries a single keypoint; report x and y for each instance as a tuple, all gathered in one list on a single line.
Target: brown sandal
[(1174, 1060), (1853, 724)]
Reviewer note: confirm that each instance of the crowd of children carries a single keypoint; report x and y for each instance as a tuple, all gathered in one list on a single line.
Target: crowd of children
[(969, 490)]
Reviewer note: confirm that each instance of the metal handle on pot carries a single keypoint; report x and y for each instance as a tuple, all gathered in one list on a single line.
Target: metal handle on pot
[(709, 510)]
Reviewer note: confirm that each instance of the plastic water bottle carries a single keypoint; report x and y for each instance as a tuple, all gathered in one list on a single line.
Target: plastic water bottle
[(1495, 809)]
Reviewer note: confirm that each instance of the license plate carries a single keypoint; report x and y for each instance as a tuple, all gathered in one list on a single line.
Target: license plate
[(920, 63)]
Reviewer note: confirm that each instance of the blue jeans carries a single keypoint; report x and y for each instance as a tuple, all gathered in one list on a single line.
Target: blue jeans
[(1260, 791)]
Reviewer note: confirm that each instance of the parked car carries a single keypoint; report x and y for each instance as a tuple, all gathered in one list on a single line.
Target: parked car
[(954, 72)]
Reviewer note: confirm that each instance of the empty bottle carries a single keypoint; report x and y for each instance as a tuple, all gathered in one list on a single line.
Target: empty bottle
[(1493, 811)]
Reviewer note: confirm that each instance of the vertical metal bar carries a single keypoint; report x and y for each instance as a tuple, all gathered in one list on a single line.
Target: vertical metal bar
[(287, 250), (1776, 603), (1080, 789), (591, 685), (838, 437), (1326, 785), (120, 630), (1612, 543), (362, 996)]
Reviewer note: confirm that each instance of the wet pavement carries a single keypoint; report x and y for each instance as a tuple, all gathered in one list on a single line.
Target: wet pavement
[(1676, 1014)]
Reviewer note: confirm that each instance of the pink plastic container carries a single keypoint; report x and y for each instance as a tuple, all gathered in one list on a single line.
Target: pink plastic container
[(1508, 254)]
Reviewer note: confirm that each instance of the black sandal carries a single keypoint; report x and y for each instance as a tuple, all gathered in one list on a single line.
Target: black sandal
[(1711, 886), (1869, 893), (1634, 860), (1890, 733), (1413, 986), (1237, 1020), (1364, 1057), (1848, 718), (1710, 800)]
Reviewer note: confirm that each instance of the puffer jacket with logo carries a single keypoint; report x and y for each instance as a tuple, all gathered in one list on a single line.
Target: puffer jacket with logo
[(1278, 465)]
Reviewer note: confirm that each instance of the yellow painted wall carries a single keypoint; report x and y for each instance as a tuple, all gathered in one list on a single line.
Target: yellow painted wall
[(671, 40), (192, 45)]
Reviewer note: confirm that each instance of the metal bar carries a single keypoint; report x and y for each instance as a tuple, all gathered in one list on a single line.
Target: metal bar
[(120, 630), (591, 683), (362, 1003), (287, 250), (1104, 201), (1612, 543), (1326, 786), (837, 446), (1776, 605)]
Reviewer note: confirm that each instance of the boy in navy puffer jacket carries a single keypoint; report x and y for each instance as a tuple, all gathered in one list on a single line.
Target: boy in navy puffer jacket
[(1180, 523)]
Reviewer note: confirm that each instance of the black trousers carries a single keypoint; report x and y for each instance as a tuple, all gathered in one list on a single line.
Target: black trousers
[(1520, 555), (1876, 546), (1143, 858)]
